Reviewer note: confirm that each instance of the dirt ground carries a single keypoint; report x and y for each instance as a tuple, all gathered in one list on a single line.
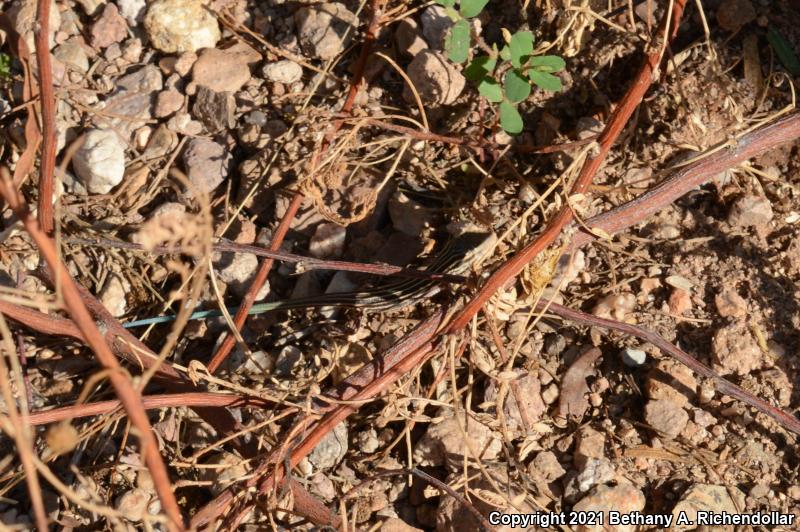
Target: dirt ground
[(161, 142)]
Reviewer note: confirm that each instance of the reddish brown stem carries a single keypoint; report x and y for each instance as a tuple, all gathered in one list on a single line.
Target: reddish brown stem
[(127, 394), (724, 386), (691, 176), (47, 103)]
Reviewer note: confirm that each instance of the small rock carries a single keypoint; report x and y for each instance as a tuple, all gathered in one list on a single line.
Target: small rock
[(445, 444), (321, 29), (750, 211), (131, 104), (666, 416), (735, 350), (23, 17), (287, 359), (646, 286), (550, 394), (185, 63), (133, 504), (113, 295), (72, 54), (733, 14), (409, 216), (229, 469), (615, 306), (237, 271), (221, 70), (680, 301), (331, 449), (595, 471), (548, 465), (680, 282), (285, 71), (589, 444), (214, 109), (328, 241), (100, 161), (407, 37), (394, 524), (587, 127), (633, 358), (530, 393), (624, 498), (435, 25), (730, 304), (132, 50), (435, 78), (168, 102), (132, 11), (90, 6), (183, 123), (181, 26), (708, 498), (110, 28), (207, 165), (671, 380)]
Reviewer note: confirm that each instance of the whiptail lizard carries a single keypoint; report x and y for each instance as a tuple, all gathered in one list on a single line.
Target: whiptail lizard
[(456, 258)]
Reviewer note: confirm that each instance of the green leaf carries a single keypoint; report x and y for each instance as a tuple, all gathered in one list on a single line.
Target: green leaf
[(491, 90), (452, 13), (517, 87), (784, 51), (457, 42), (510, 120), (505, 54), (521, 46), (472, 8), (480, 67), (548, 63), (446, 3), (545, 81)]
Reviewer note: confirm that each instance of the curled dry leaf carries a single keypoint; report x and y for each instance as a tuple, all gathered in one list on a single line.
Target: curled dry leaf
[(574, 388)]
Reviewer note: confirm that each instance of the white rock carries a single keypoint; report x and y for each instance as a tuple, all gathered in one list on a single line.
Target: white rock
[(181, 26), (283, 72), (113, 295), (633, 358), (72, 54), (436, 79), (100, 162), (132, 10), (321, 28), (328, 241), (331, 449), (237, 271), (133, 504)]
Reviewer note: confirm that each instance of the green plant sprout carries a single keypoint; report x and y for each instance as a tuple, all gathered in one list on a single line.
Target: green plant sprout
[(518, 67), (5, 66)]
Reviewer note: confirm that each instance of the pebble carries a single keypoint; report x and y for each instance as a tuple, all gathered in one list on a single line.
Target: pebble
[(436, 79), (168, 102), (214, 109), (176, 26), (408, 39), (680, 301), (132, 11), (548, 466), (666, 416), (331, 449), (100, 161), (633, 358), (730, 304), (615, 306), (207, 164), (529, 391), (672, 381), (624, 498), (285, 71), (133, 504), (680, 282), (394, 524), (132, 101), (589, 444), (328, 241), (112, 296), (595, 471), (321, 28), (72, 54), (23, 17), (735, 350), (287, 359), (750, 211), (444, 443), (733, 14), (435, 25), (709, 498), (220, 70), (110, 28)]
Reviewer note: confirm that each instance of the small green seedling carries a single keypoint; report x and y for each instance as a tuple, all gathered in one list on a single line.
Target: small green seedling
[(5, 66), (509, 82)]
